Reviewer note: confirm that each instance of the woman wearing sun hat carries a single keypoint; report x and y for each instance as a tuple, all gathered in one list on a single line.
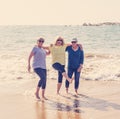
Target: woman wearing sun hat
[(75, 63)]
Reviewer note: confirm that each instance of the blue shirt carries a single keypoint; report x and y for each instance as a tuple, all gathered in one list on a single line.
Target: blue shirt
[(75, 58)]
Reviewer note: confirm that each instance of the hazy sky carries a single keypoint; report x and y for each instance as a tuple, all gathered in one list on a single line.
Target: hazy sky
[(58, 12)]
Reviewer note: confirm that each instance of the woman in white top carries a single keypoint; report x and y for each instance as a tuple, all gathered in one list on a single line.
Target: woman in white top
[(39, 65)]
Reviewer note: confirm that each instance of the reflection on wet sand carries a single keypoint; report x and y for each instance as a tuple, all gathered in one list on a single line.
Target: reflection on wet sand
[(68, 110), (76, 106), (58, 109), (40, 111), (71, 106)]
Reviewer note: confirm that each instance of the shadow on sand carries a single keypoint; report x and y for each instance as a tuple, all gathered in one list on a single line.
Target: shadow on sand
[(66, 106), (75, 102)]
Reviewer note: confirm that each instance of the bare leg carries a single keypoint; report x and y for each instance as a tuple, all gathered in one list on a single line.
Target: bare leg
[(43, 94), (58, 87), (37, 93), (66, 76), (66, 90)]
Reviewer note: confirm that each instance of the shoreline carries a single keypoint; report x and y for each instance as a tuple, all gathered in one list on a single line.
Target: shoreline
[(97, 99)]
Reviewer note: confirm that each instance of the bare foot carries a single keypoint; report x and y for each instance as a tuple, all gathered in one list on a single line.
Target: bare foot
[(44, 98), (58, 93), (76, 92), (37, 95)]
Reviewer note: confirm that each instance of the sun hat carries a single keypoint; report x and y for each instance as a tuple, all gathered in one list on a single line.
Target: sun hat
[(74, 40)]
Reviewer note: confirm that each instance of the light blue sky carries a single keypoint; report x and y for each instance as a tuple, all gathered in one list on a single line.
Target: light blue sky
[(58, 12)]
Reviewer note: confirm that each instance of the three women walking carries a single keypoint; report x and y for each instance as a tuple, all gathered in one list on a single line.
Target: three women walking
[(57, 50)]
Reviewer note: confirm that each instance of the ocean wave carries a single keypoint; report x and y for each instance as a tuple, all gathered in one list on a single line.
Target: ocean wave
[(101, 67)]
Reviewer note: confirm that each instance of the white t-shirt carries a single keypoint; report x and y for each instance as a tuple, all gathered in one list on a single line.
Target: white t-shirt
[(39, 60)]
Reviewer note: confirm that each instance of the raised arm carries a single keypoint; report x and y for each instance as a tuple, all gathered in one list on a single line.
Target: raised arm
[(47, 49), (80, 45)]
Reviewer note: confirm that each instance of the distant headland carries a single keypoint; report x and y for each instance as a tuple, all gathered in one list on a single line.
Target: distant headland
[(101, 24)]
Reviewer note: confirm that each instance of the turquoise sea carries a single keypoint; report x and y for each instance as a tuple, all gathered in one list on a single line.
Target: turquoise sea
[(95, 39)]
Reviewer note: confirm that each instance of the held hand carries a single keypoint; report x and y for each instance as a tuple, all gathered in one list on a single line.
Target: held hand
[(80, 46), (79, 69)]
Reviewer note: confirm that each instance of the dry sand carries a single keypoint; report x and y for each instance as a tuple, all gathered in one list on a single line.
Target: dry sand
[(96, 100)]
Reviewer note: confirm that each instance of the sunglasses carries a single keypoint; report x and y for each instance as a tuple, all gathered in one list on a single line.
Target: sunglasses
[(59, 40), (41, 41), (73, 42)]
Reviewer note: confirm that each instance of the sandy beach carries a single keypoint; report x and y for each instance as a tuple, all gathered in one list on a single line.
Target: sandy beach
[(96, 100), (99, 91)]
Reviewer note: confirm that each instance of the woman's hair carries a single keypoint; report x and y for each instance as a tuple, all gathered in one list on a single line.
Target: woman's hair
[(40, 39), (59, 38)]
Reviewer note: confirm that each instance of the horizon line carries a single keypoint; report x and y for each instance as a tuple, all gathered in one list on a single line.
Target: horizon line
[(59, 24)]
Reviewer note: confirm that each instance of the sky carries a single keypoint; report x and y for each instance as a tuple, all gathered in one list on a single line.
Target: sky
[(58, 12)]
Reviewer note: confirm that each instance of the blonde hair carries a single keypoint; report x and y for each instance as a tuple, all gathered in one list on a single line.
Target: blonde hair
[(59, 38)]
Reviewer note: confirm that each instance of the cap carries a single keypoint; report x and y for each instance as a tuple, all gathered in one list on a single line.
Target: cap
[(74, 40)]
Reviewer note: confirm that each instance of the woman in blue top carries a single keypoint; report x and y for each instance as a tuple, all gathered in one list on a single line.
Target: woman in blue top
[(75, 63)]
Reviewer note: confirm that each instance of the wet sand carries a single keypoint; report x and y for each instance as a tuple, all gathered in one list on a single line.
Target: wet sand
[(96, 100)]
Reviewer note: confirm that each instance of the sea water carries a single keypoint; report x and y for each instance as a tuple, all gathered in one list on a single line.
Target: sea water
[(101, 45)]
